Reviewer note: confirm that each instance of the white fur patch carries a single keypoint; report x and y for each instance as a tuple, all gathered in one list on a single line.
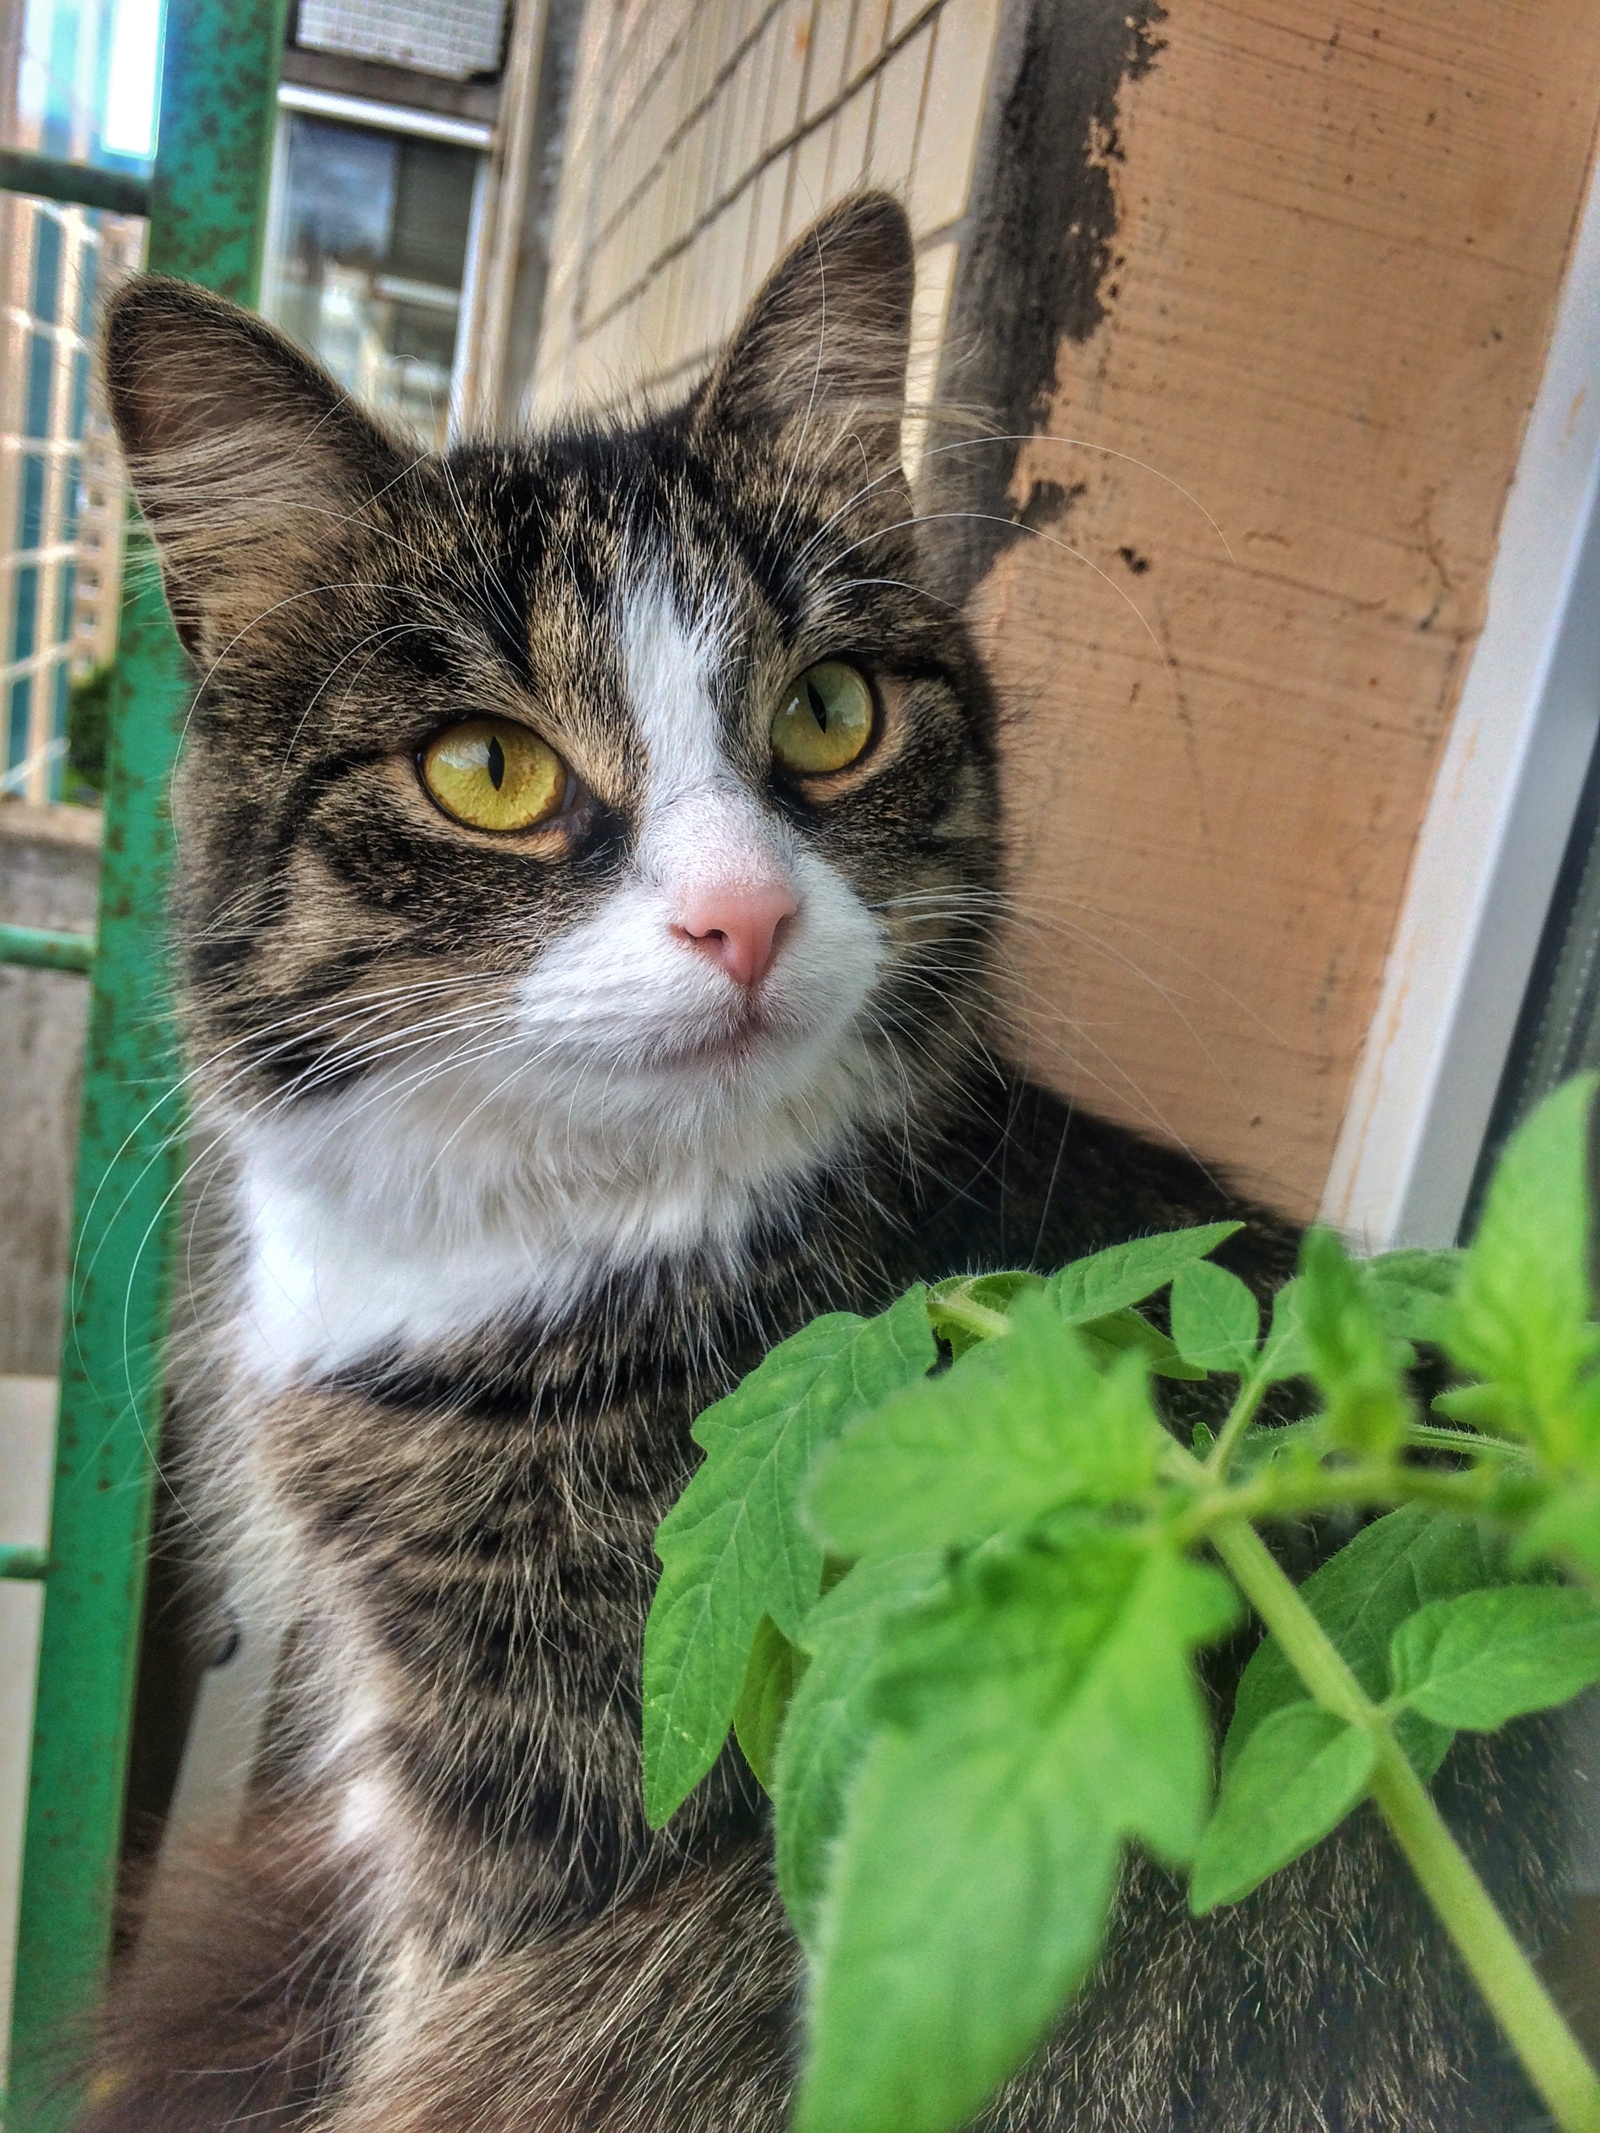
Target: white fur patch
[(622, 1112)]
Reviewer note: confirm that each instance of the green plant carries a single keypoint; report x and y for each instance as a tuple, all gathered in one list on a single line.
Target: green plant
[(88, 723), (945, 1571)]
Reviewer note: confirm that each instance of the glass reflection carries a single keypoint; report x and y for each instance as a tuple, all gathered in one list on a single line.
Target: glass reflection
[(367, 255)]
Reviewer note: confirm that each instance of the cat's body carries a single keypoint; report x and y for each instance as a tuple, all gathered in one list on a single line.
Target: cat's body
[(537, 1140)]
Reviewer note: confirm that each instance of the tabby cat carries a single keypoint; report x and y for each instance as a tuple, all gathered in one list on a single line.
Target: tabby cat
[(590, 871)]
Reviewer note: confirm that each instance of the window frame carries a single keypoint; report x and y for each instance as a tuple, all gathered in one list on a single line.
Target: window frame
[(1491, 844)]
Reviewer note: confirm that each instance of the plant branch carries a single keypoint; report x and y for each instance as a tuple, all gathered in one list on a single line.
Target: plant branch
[(1548, 2051), (1240, 1417), (1326, 1488), (976, 1317), (1305, 1643), (1470, 1443), (1503, 1974)]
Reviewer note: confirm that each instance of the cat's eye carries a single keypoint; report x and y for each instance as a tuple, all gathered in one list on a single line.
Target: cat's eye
[(494, 775), (825, 720)]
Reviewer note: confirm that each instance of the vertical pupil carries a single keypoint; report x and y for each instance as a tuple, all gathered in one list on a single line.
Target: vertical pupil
[(496, 763), (819, 710)]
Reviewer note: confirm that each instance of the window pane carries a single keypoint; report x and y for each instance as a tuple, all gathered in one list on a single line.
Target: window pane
[(1558, 1032), (368, 255), (61, 501), (84, 80)]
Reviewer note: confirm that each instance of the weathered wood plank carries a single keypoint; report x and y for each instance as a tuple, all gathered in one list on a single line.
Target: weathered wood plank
[(1340, 235)]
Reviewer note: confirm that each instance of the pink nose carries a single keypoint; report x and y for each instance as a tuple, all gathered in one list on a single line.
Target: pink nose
[(737, 927)]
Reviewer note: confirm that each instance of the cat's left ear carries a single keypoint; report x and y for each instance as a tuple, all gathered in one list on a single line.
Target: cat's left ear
[(825, 343)]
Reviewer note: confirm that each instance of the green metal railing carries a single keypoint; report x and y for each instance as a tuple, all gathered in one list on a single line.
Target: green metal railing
[(35, 949), (206, 203), (47, 178)]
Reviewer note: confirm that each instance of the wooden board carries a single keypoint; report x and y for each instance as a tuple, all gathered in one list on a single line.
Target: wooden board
[(1339, 236)]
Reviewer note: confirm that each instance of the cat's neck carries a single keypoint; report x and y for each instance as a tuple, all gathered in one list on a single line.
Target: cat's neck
[(404, 1222)]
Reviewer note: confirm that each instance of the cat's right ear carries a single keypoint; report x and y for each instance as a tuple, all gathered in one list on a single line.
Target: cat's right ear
[(248, 461)]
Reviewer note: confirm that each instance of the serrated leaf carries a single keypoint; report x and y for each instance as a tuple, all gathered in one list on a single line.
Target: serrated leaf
[(1013, 1430), (1122, 1331), (1042, 1709), (1351, 1356), (733, 1547), (830, 1720), (1284, 1353), (1216, 1322), (1521, 1315), (1361, 1596), (1485, 1658), (772, 1673), (1127, 1273), (1297, 1777), (969, 1901)]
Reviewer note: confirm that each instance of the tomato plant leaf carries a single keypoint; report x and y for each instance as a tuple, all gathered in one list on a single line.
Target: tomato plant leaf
[(1285, 1353), (1107, 1338), (733, 1547), (1014, 1429), (1567, 1528), (772, 1673), (1520, 1318), (1361, 1596), (1216, 1322), (830, 1720), (1351, 1356), (1486, 1657), (1297, 1777), (1127, 1273), (1409, 1288), (1035, 1713)]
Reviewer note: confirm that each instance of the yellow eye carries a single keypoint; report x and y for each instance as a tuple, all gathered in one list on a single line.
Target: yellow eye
[(494, 775), (825, 720)]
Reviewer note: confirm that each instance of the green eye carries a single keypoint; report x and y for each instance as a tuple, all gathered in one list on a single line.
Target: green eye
[(825, 720), (494, 775)]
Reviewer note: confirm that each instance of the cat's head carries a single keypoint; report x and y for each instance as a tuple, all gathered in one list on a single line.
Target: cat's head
[(599, 821)]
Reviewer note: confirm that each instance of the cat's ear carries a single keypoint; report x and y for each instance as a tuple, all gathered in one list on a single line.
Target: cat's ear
[(247, 460), (826, 341)]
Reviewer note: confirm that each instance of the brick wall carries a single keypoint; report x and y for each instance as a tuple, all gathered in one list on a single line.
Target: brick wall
[(705, 134)]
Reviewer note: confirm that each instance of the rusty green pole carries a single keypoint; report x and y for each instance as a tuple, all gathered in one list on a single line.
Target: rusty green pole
[(208, 200)]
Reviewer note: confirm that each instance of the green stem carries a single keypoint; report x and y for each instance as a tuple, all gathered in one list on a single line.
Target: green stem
[(1503, 1974), (1293, 1496), (1305, 1643), (1542, 2041), (1470, 1443), (976, 1317), (1240, 1417)]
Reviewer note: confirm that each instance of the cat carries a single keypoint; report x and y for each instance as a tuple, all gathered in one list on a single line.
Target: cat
[(590, 873)]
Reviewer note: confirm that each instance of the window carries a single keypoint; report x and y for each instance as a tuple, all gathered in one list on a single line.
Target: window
[(1488, 995), (368, 251)]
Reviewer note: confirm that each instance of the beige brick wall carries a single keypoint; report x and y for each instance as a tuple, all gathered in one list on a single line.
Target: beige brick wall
[(706, 134)]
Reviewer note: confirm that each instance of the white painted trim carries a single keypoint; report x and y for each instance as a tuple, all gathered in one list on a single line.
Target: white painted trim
[(1492, 840), (390, 118), (467, 305)]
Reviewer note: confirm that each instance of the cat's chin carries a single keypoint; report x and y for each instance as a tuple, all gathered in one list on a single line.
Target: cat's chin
[(401, 1213), (751, 1036)]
